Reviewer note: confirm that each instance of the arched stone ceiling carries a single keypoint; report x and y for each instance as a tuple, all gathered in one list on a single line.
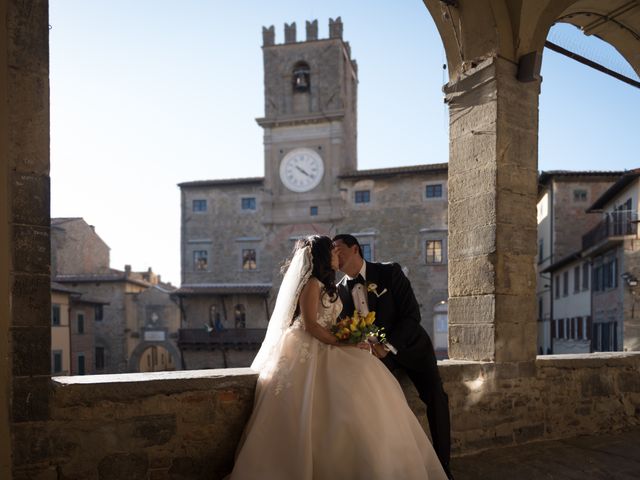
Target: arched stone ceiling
[(617, 22), (472, 30)]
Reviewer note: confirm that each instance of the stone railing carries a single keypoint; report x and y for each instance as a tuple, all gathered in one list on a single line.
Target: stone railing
[(187, 424)]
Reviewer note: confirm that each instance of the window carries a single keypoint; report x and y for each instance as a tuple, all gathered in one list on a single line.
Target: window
[(249, 259), (199, 206), (200, 260), (434, 191), (313, 211), (55, 315), (576, 279), (553, 329), (597, 272), (561, 328), (301, 77), (572, 322), (99, 358), (56, 363), (585, 276), (565, 284), (611, 272), (81, 369), (579, 195), (434, 251), (99, 313), (541, 250), (580, 328), (249, 203), (540, 308), (557, 282), (80, 322), (240, 316), (363, 196), (366, 251)]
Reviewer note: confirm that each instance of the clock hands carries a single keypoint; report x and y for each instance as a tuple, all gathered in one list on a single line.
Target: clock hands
[(303, 171)]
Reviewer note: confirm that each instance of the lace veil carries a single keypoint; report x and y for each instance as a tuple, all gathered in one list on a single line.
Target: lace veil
[(294, 279)]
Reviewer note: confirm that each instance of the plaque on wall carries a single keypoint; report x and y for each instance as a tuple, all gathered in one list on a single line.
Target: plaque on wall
[(155, 336)]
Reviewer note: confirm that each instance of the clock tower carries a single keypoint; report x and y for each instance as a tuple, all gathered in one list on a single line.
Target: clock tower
[(309, 124)]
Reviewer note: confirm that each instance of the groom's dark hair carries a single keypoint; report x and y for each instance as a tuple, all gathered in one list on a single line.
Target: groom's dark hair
[(349, 241)]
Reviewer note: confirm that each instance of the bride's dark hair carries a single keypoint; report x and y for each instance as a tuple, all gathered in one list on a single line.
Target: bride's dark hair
[(321, 247)]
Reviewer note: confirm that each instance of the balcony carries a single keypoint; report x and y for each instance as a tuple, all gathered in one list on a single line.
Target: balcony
[(613, 225), (200, 338)]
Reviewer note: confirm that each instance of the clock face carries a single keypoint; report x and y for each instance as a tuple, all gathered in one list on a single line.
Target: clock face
[(301, 170)]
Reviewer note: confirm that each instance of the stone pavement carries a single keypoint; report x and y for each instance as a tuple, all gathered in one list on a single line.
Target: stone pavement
[(612, 457)]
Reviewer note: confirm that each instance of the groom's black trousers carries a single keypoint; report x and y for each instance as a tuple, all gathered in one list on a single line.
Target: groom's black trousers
[(428, 383)]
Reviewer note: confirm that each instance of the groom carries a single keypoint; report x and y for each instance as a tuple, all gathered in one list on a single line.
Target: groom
[(384, 289)]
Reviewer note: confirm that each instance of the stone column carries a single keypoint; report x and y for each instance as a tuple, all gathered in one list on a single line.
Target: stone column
[(492, 214), (25, 312)]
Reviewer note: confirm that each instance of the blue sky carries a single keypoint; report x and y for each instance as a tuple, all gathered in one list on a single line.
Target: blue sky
[(151, 93)]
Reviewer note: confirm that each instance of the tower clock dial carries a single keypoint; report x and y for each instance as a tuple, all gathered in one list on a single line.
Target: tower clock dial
[(301, 170)]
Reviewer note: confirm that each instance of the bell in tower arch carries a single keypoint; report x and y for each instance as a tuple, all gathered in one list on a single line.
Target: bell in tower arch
[(301, 78)]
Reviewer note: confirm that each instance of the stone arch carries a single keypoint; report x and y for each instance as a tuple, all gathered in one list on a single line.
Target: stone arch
[(136, 355), (493, 108), (301, 77)]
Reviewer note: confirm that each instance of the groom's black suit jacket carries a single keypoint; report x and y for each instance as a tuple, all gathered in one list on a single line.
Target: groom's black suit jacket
[(397, 310)]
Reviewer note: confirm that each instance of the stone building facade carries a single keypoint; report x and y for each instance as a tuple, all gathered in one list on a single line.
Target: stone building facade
[(594, 289), (613, 249), (236, 233), (563, 199), (120, 320), (60, 334)]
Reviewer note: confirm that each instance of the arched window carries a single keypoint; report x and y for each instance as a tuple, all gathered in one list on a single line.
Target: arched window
[(240, 316), (301, 77)]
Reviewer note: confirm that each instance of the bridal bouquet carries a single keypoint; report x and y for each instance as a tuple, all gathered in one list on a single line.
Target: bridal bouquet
[(358, 328)]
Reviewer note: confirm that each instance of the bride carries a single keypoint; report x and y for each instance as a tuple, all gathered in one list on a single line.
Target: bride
[(325, 410)]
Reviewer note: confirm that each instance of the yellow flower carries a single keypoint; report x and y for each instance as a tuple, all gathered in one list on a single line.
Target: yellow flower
[(370, 318)]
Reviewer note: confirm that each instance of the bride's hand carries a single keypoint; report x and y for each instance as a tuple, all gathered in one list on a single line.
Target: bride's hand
[(364, 346)]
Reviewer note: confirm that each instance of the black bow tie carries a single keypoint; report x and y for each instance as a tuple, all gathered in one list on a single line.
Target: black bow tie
[(351, 283)]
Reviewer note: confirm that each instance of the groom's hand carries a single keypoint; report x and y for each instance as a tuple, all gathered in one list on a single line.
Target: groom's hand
[(379, 351)]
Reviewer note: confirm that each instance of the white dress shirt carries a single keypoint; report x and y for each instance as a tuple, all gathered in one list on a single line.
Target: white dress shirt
[(360, 299)]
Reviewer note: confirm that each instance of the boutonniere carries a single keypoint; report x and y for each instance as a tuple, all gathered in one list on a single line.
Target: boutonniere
[(373, 288)]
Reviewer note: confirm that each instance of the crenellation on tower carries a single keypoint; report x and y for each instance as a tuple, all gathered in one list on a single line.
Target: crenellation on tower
[(290, 32), (312, 30), (268, 36), (311, 27), (335, 28)]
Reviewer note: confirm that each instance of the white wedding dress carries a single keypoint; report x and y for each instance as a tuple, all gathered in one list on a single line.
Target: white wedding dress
[(331, 412)]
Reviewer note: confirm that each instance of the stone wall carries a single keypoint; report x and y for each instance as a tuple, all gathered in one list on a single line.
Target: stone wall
[(398, 221), (401, 219), (631, 264), (77, 248), (570, 219), (25, 290), (187, 424)]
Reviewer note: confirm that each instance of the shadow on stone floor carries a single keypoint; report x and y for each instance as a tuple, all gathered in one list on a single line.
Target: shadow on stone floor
[(612, 457)]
